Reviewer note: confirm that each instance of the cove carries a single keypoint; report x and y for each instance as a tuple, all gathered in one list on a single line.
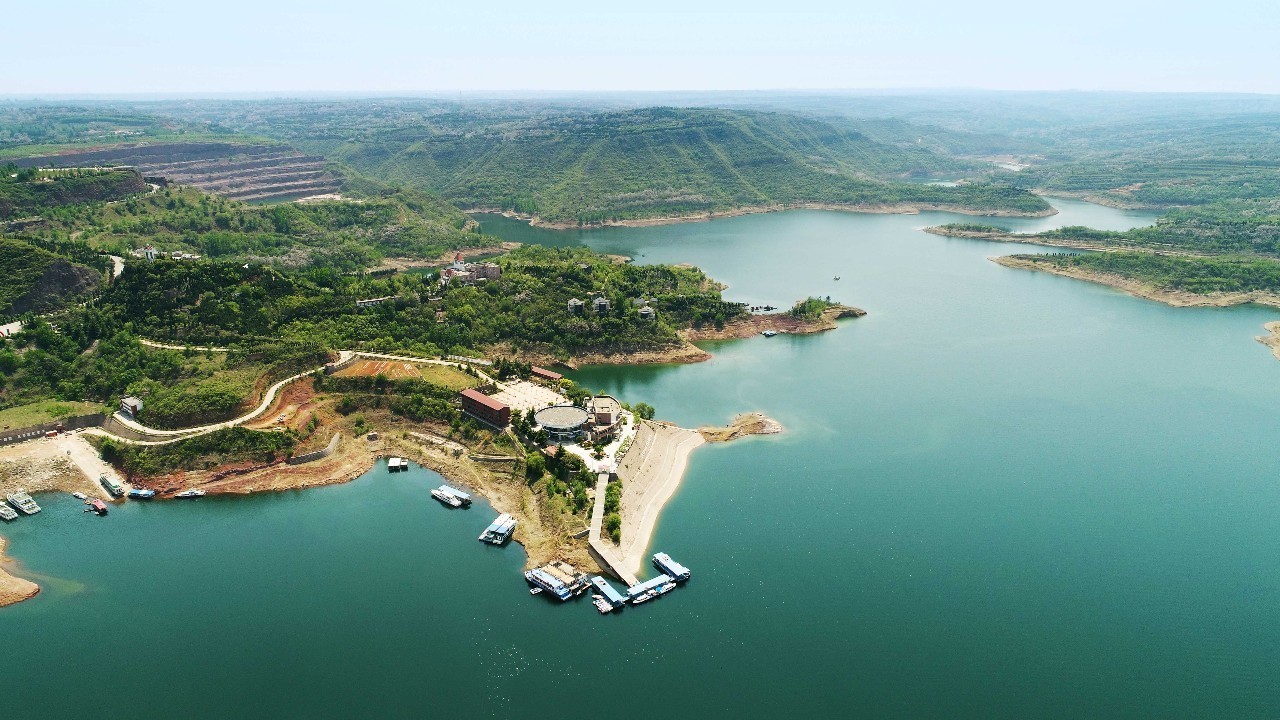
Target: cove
[(1000, 495)]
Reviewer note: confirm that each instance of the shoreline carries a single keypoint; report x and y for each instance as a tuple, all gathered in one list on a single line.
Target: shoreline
[(13, 589), (40, 466), (686, 352), (1137, 288), (1065, 243), (897, 209), (1272, 339), (650, 474)]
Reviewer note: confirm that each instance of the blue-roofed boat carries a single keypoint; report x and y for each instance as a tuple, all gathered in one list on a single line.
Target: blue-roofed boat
[(663, 562), (141, 494), (499, 531)]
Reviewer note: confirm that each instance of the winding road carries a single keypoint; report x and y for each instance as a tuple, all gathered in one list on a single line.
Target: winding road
[(268, 398)]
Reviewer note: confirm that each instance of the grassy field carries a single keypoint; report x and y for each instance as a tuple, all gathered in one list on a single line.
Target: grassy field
[(441, 375), (43, 412)]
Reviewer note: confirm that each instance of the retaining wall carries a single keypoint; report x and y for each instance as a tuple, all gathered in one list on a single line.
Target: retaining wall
[(8, 437), (318, 454)]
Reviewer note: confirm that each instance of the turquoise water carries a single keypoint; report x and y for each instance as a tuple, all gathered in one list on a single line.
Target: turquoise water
[(1001, 494)]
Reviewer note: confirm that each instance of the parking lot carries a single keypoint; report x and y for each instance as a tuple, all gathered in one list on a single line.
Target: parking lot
[(525, 396)]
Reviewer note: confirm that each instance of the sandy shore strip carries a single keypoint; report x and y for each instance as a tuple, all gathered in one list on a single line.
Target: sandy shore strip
[(650, 473), (897, 209), (1137, 288), (1272, 339), (13, 589)]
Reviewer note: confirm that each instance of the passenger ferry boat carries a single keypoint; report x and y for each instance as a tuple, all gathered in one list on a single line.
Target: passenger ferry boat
[(7, 513), (193, 493), (141, 494), (23, 502)]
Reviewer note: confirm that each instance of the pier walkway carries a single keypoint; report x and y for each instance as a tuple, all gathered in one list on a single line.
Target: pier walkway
[(604, 551)]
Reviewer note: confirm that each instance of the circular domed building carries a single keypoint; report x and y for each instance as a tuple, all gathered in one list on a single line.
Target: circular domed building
[(562, 422)]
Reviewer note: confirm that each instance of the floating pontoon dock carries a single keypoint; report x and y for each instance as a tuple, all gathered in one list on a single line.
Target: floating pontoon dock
[(615, 598)]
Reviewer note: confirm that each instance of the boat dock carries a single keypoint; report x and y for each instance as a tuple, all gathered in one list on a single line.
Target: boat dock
[(499, 531), (663, 562)]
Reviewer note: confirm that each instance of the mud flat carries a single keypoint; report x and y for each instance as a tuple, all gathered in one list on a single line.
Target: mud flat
[(745, 424)]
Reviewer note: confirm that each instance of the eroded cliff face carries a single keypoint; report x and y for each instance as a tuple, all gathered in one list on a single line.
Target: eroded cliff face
[(61, 281)]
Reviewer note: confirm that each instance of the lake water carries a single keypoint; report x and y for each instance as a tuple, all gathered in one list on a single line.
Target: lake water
[(1001, 494)]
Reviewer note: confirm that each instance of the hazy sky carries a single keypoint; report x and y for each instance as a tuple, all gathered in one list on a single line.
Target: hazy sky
[(174, 47)]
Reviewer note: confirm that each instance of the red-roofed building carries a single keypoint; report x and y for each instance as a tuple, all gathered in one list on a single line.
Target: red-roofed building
[(485, 409), (546, 374)]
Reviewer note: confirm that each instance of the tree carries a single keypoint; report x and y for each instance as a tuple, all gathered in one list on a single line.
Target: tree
[(535, 465), (644, 411)]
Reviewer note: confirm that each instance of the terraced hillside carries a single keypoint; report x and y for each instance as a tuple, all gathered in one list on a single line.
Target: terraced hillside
[(253, 173)]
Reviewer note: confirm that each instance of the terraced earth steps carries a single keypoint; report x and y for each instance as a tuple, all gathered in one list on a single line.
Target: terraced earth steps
[(255, 173)]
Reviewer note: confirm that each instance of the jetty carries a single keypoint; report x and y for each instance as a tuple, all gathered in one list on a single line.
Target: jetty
[(604, 554)]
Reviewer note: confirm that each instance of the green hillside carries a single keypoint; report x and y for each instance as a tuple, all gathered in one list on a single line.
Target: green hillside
[(26, 192), (659, 162), (36, 279)]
